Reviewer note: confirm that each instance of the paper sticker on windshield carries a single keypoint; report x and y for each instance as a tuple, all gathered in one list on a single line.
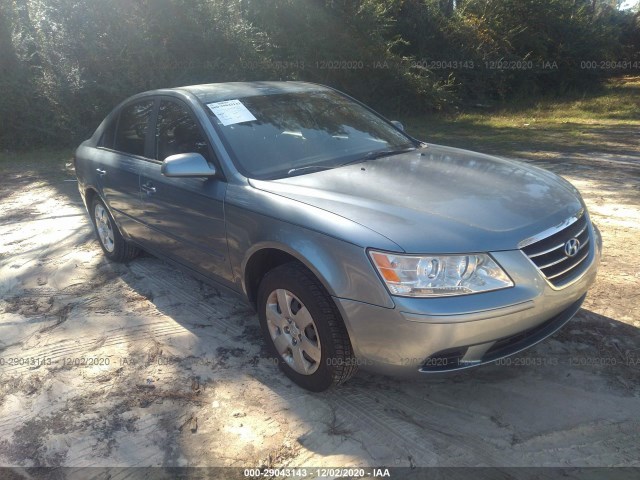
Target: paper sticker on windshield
[(230, 112)]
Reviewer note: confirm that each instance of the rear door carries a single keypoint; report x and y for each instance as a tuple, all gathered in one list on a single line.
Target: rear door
[(123, 151), (184, 216)]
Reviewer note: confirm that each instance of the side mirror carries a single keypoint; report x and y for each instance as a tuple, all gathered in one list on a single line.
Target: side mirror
[(398, 125), (187, 165)]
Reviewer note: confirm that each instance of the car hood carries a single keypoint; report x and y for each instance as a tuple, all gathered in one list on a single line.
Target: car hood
[(439, 199)]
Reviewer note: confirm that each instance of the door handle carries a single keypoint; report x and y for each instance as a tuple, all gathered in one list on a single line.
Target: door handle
[(101, 172), (148, 188)]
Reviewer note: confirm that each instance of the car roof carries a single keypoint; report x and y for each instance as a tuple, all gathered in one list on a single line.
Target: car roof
[(217, 92)]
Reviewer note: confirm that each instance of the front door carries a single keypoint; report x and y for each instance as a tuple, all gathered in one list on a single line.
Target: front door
[(184, 216)]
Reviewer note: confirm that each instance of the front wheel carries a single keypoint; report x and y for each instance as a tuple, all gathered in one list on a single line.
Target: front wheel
[(113, 245), (303, 328)]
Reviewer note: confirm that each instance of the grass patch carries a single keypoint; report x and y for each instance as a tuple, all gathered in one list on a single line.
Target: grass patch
[(605, 121)]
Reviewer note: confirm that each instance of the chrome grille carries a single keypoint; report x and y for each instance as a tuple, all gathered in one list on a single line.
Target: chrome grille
[(549, 254)]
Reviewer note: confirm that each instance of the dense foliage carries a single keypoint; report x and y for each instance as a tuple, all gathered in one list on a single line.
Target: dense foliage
[(65, 63)]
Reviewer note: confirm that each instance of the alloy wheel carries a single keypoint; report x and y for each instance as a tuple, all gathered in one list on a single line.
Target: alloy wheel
[(104, 228), (293, 331)]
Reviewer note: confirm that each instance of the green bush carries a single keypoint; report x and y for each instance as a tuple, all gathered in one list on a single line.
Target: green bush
[(65, 63)]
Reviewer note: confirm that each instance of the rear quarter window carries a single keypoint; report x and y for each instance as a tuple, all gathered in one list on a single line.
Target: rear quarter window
[(109, 133)]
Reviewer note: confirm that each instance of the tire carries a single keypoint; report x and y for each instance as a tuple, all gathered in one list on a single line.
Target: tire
[(303, 328), (113, 245)]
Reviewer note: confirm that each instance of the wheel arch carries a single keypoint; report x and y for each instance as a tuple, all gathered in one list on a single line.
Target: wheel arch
[(267, 257), (89, 194)]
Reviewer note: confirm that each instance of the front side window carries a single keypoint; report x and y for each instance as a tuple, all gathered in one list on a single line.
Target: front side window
[(277, 135), (177, 132), (132, 128)]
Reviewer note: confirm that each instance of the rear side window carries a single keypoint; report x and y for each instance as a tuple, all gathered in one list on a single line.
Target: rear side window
[(132, 128), (177, 132)]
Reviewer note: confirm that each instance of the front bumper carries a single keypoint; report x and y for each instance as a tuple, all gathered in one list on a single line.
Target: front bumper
[(424, 335)]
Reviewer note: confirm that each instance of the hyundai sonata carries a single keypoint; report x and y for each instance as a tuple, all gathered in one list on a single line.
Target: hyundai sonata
[(358, 245)]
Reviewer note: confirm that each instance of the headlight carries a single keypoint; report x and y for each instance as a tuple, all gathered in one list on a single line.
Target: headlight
[(439, 275)]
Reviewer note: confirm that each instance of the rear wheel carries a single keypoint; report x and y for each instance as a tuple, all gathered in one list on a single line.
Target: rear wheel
[(114, 246), (303, 328)]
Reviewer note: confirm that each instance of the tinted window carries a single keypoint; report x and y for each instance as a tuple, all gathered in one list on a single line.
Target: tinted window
[(177, 132), (291, 131), (109, 133), (132, 127)]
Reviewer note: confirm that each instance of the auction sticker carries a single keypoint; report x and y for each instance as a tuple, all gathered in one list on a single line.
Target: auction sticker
[(230, 112)]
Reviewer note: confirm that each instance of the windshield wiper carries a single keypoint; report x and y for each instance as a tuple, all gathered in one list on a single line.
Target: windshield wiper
[(368, 156), (309, 167), (378, 154)]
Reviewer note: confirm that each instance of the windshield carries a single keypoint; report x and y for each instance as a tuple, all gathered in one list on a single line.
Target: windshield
[(279, 135)]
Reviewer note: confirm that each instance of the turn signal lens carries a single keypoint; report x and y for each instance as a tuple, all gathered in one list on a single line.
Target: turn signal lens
[(386, 267)]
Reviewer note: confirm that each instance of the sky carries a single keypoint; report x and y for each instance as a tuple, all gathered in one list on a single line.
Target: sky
[(628, 4)]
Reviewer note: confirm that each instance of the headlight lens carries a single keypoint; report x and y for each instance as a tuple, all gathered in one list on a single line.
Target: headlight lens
[(439, 275)]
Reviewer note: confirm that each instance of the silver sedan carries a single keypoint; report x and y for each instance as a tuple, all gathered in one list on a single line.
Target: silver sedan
[(358, 245)]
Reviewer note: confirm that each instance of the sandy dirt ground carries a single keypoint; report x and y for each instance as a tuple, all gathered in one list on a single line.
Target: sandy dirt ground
[(143, 365)]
